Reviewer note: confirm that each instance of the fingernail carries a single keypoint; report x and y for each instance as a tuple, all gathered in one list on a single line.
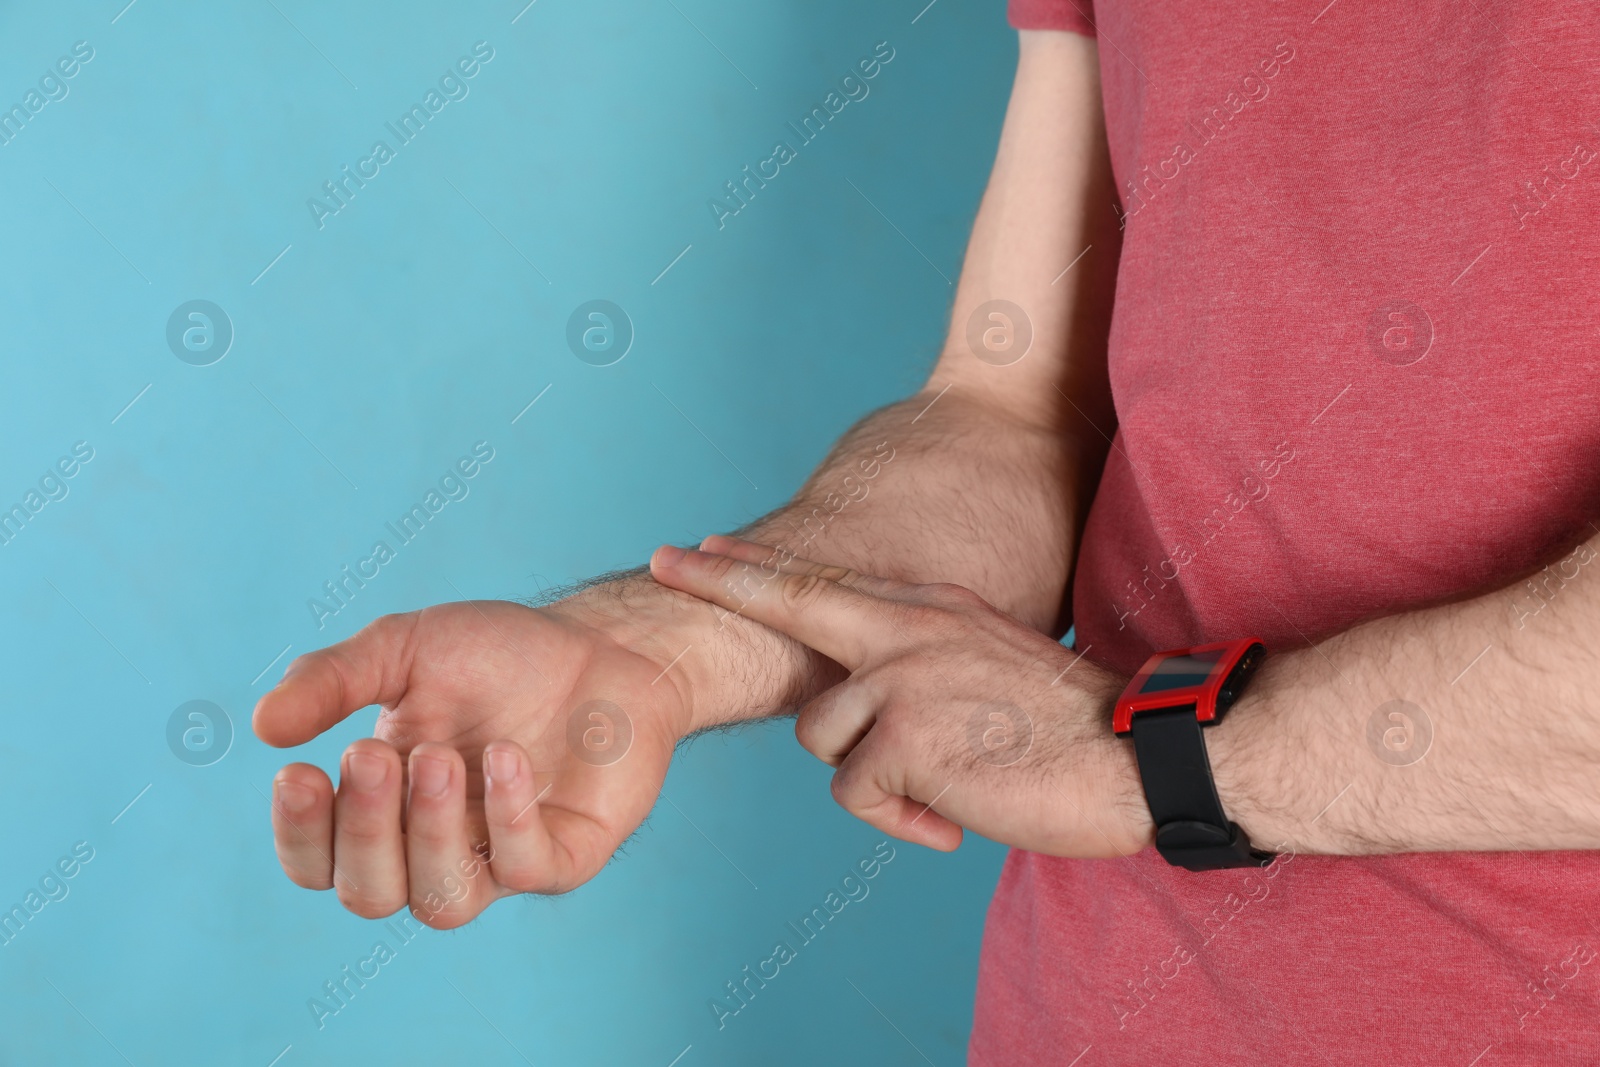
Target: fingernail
[(430, 776), (293, 798), (668, 555), (366, 772), (502, 766)]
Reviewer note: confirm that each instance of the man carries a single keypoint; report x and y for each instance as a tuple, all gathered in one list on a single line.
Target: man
[(1356, 414)]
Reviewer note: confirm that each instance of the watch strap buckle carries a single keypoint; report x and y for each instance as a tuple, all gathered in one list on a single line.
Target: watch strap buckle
[(1204, 846)]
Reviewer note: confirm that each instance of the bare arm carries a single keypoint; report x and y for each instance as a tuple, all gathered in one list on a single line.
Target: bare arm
[(1468, 726), (993, 466)]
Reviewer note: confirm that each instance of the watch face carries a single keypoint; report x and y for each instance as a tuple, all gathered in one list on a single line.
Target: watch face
[(1207, 678), (1182, 672)]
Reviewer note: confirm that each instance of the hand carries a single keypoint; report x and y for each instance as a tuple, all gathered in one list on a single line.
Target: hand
[(476, 784), (954, 714)]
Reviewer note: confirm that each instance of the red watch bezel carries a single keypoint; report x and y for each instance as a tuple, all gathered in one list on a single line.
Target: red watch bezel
[(1202, 696)]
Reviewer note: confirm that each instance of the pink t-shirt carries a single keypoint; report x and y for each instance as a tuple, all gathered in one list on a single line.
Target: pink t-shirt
[(1354, 363)]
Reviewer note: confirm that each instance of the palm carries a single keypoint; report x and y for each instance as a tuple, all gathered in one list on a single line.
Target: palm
[(490, 670), (583, 728)]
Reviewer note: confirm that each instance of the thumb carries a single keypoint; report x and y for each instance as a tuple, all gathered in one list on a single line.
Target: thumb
[(320, 689)]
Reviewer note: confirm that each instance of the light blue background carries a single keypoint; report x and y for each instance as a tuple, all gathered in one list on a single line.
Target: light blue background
[(180, 563)]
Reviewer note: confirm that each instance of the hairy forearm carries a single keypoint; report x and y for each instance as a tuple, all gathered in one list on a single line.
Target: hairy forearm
[(939, 488), (1468, 726), (933, 488)]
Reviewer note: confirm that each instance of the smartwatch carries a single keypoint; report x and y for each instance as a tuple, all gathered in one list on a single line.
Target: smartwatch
[(1164, 710)]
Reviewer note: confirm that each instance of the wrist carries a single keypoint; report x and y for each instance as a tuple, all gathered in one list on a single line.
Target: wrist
[(1118, 805), (725, 668), (1131, 827), (1278, 808), (1231, 746)]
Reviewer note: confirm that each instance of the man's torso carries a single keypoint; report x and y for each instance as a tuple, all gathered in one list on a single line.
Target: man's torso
[(1353, 357)]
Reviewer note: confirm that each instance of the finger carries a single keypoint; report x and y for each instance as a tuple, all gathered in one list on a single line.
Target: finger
[(846, 625), (537, 845), (830, 726), (367, 843), (775, 558), (861, 786), (321, 688), (582, 845), (739, 548), (441, 866), (302, 825), (521, 850)]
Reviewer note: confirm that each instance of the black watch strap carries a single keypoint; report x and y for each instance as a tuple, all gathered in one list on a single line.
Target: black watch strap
[(1192, 830)]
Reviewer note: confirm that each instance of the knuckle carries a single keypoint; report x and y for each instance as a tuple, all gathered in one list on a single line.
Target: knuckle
[(958, 595), (428, 836), (718, 566), (841, 788), (848, 789), (367, 832), (446, 917), (815, 740), (799, 592), (385, 624), (737, 577), (951, 620), (806, 727), (519, 876)]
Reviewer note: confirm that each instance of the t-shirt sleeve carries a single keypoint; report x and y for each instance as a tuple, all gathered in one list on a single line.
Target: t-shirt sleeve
[(1074, 15)]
